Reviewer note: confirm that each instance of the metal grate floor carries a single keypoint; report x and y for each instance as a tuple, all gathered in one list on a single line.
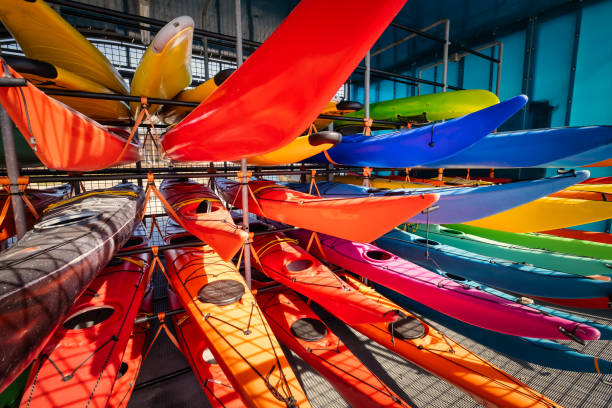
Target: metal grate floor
[(166, 381)]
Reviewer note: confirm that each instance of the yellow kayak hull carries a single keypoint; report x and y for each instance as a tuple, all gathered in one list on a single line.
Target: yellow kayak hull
[(598, 188), (547, 213), (173, 114), (337, 109), (298, 150), (45, 35), (47, 75), (165, 67)]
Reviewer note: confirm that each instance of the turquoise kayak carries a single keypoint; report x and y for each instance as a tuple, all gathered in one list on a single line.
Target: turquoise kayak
[(541, 258), (515, 277), (546, 353)]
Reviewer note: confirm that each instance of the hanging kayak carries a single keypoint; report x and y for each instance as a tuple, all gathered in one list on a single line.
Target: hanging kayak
[(335, 216), (336, 108), (62, 138), (80, 363), (537, 351), (202, 213), (555, 261), (80, 235), (300, 329), (528, 148), (284, 85), (424, 108), (43, 74), (281, 259), (460, 204), (542, 240), (165, 68), (44, 35), (40, 199), (215, 296), (468, 304), (423, 345), (510, 276), (412, 147), (298, 150), (171, 114), (213, 381)]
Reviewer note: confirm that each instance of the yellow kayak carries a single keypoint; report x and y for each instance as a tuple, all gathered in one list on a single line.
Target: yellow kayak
[(44, 74), (44, 35), (298, 150), (598, 188), (174, 114), (380, 182), (165, 67), (337, 109), (547, 213)]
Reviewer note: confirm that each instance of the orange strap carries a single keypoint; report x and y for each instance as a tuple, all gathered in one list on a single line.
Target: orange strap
[(151, 187), (313, 183), (367, 127), (315, 237), (251, 193), (22, 184), (492, 173), (311, 129), (440, 174), (367, 172), (253, 252), (467, 175), (408, 169), (154, 224)]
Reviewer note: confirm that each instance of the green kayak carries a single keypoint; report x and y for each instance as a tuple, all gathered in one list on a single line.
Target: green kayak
[(25, 154), (426, 108), (541, 241), (555, 261), (11, 396)]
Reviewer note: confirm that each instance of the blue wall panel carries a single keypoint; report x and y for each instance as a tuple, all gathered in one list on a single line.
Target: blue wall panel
[(553, 61), (512, 65), (592, 103), (476, 72)]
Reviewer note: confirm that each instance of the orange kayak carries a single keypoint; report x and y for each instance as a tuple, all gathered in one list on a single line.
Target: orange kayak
[(213, 381), (283, 260), (201, 212), (583, 195), (360, 219), (132, 358), (40, 199), (300, 329), (79, 365), (216, 297), (428, 348), (603, 237), (62, 138)]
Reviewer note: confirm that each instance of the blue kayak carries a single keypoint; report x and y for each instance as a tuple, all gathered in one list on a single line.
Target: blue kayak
[(533, 148), (463, 204), (411, 147), (582, 159), (510, 276), (536, 351)]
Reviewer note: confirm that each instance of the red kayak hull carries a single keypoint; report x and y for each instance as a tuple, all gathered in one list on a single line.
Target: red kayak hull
[(603, 237), (284, 85)]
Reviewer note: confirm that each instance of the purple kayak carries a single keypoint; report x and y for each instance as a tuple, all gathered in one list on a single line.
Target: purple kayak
[(462, 302)]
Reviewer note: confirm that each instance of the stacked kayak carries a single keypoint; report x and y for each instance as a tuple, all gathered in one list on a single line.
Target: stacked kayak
[(412, 147), (425, 108), (300, 329), (81, 362), (511, 276), (336, 108), (218, 300), (62, 138), (592, 236), (555, 261), (281, 259), (299, 149), (423, 345), (45, 271), (468, 304), (461, 204), (334, 216), (201, 212), (261, 117), (537, 351), (40, 199)]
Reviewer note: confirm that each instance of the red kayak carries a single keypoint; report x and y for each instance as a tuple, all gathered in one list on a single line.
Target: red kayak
[(132, 358), (40, 199), (213, 381), (360, 219), (62, 138), (603, 237), (598, 180), (79, 365), (284, 261), (300, 329), (284, 85), (201, 212)]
